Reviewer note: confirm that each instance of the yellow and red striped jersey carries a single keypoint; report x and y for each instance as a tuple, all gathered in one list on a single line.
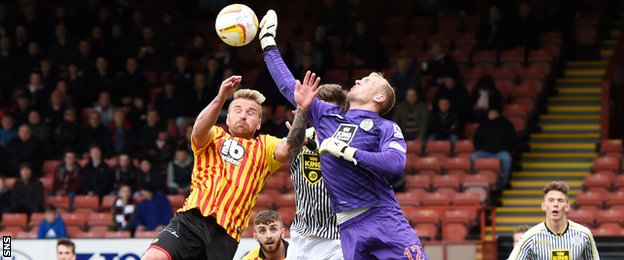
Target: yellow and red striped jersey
[(228, 174)]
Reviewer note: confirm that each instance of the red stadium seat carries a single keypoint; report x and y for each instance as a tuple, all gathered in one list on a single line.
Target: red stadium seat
[(117, 234), (428, 166), (26, 235), (410, 163), (478, 184), (107, 202), (610, 217), (177, 201), (285, 200), (47, 183), (513, 56), (618, 184), (487, 58), (11, 231), (610, 231), (35, 219), (615, 200), (73, 219), (457, 165), (589, 200), (469, 130), (606, 164), (435, 199), (600, 181), (585, 217), (100, 219), (515, 111), (466, 199), (59, 202), (14, 219), (414, 147), (424, 219), (455, 225), (444, 183), (49, 167), (464, 148), (408, 199), (9, 182), (439, 149), (611, 148), (86, 201), (519, 125), (419, 183), (73, 231), (288, 215), (487, 165), (266, 200)]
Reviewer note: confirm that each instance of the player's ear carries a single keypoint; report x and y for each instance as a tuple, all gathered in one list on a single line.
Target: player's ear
[(543, 205), (255, 237), (379, 98)]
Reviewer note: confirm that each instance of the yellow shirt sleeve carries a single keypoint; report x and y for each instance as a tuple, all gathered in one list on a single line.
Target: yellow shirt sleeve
[(215, 131), (271, 143), (252, 255)]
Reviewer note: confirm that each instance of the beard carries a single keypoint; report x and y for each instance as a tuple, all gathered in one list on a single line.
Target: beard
[(272, 248)]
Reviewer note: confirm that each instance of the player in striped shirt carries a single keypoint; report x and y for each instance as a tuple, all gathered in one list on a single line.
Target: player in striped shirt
[(314, 233), (557, 238), (359, 149), (230, 170)]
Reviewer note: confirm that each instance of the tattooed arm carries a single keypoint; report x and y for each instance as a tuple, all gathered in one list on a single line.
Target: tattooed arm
[(304, 96)]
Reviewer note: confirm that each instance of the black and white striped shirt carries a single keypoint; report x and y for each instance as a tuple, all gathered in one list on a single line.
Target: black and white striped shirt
[(314, 216), (540, 243)]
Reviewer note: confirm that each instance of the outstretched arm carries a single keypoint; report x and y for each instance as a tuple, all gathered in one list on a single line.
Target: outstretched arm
[(304, 95), (208, 116)]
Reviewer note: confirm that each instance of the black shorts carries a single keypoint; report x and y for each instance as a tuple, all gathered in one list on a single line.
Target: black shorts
[(189, 235)]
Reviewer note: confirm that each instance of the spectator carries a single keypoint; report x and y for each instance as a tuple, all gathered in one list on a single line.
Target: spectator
[(93, 133), (149, 51), (201, 93), (443, 122), (138, 112), (97, 177), (123, 208), (491, 32), (458, 96), (5, 196), (65, 249), (100, 80), (496, 137), (308, 59), (52, 226), (27, 193), (24, 149), (118, 47), (160, 152), (65, 135), (125, 173), (120, 133), (179, 172), (68, 177), (404, 78), (147, 176), (8, 131), (85, 58), (62, 50), (198, 50), (149, 131), (440, 64), (35, 91), (30, 60), (21, 109), (39, 129), (80, 94), (132, 83), (518, 232), (105, 107), (527, 30), (49, 76), (182, 76), (170, 103), (365, 48), (323, 46), (55, 111), (412, 115), (485, 97), (154, 210)]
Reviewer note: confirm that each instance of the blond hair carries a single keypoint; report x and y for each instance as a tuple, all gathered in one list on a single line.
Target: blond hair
[(388, 91), (332, 93), (250, 94)]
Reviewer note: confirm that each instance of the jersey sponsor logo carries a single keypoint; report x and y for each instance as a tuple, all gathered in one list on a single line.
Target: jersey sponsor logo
[(311, 169), (345, 132), (560, 254), (232, 151), (397, 131)]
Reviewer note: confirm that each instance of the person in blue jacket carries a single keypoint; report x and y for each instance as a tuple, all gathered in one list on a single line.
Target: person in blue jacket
[(153, 212), (52, 226)]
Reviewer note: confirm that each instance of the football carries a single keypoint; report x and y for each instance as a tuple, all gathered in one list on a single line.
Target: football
[(236, 25)]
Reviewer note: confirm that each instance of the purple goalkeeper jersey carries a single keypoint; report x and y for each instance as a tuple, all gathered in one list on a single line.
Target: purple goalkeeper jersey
[(380, 144)]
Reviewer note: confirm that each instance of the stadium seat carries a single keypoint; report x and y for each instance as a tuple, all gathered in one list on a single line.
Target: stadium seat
[(600, 181), (9, 182), (72, 231), (615, 200), (177, 201), (26, 235), (505, 74), (427, 166), (618, 184), (59, 202), (435, 199), (425, 221), (47, 183), (611, 148), (585, 217), (469, 130), (515, 56), (466, 199), (455, 225), (505, 87), (266, 200), (275, 182), (285, 200), (11, 231), (464, 148), (73, 219), (446, 183), (49, 167), (14, 219), (589, 200), (288, 215), (420, 183), (408, 199), (609, 218), (107, 202), (478, 184), (484, 58), (606, 164), (147, 234), (410, 163), (414, 147), (35, 219), (457, 166), (100, 219), (440, 149), (515, 111), (86, 201), (89, 234), (519, 125), (540, 55), (606, 231), (117, 234)]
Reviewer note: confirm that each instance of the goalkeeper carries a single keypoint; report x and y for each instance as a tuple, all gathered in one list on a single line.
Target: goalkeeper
[(359, 149)]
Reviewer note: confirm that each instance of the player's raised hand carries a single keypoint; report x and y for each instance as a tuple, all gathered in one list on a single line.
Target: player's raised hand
[(306, 92), (268, 30), (229, 85)]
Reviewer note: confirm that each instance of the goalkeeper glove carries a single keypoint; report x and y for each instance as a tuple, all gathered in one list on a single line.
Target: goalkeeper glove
[(268, 30), (339, 149), (311, 139)]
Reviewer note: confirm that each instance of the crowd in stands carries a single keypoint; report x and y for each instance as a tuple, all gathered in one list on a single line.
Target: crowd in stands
[(110, 89)]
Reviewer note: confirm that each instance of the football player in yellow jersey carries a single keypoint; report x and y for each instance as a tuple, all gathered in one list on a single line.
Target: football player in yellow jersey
[(230, 170), (269, 232)]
